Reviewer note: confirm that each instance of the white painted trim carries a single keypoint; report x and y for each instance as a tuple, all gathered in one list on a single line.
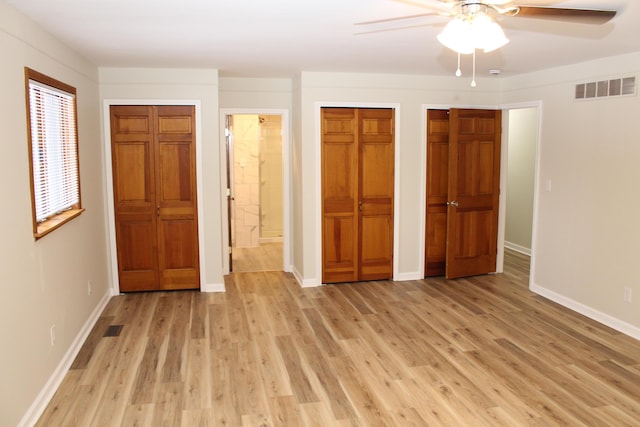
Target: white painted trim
[(304, 283), (318, 179), (46, 394), (591, 313), (286, 183), (111, 238), (514, 247)]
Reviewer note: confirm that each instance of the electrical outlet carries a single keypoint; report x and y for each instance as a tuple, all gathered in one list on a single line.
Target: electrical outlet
[(627, 295), (89, 289), (52, 335)]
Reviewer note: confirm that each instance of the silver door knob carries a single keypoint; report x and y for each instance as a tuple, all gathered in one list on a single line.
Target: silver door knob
[(452, 203)]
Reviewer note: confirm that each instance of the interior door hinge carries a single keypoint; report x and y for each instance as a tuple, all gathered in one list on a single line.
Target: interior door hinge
[(229, 250), (228, 192)]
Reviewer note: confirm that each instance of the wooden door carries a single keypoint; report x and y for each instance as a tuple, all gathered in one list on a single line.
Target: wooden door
[(357, 194), (375, 189), (474, 190), (153, 155), (463, 188), (437, 192)]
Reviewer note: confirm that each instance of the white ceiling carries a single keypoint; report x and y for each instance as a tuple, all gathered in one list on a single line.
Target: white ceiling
[(280, 38)]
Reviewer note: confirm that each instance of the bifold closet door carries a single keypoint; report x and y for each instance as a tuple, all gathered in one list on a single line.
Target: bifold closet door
[(357, 194), (154, 186)]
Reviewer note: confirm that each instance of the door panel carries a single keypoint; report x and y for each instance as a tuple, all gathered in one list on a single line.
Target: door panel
[(376, 186), (474, 169), (134, 194), (339, 195), (176, 201), (153, 155), (437, 192)]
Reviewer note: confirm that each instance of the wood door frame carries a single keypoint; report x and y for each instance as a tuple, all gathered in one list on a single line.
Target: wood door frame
[(286, 183), (111, 239), (503, 177), (318, 181)]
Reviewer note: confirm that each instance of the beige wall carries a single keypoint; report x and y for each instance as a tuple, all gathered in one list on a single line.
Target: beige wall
[(45, 281), (586, 230), (522, 139)]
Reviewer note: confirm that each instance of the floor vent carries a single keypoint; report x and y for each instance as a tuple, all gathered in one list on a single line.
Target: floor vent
[(113, 331), (624, 86)]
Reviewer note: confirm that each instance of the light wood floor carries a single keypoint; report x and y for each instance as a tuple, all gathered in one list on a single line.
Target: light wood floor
[(482, 351), (266, 257)]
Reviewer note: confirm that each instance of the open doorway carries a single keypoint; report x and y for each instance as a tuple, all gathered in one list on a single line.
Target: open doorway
[(522, 148), (254, 163), (519, 178)]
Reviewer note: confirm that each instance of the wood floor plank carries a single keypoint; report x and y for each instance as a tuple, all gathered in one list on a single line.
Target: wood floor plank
[(326, 377), (149, 370), (302, 389), (480, 351), (285, 411), (197, 386)]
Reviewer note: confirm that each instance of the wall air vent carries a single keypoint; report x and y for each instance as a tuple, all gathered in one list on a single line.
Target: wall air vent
[(623, 86)]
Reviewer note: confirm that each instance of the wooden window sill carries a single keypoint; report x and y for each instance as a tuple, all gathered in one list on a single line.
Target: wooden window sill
[(54, 222)]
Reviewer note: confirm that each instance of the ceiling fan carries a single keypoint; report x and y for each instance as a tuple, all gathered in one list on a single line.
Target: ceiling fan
[(506, 8), (472, 25)]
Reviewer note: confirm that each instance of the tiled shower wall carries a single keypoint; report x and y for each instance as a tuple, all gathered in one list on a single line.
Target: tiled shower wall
[(257, 179), (246, 181)]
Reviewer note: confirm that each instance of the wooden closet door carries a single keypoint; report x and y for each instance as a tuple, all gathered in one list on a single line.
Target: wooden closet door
[(474, 190), (339, 195), (463, 187), (153, 166), (176, 198), (133, 167), (357, 194), (376, 182), (437, 192)]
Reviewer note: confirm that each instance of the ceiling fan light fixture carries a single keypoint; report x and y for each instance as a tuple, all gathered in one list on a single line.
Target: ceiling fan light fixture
[(464, 33), (470, 30), (457, 35), (490, 36)]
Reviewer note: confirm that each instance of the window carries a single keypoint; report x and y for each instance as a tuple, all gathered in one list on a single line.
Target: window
[(53, 152)]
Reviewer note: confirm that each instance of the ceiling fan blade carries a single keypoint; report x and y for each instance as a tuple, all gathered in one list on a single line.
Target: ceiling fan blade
[(399, 18), (586, 16), (443, 7), (384, 30)]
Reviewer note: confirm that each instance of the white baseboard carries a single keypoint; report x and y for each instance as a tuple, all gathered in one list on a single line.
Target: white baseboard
[(212, 287), (517, 248), (46, 394), (305, 283), (598, 316)]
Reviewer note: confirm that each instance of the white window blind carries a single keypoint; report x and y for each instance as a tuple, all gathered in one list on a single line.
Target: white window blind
[(54, 150)]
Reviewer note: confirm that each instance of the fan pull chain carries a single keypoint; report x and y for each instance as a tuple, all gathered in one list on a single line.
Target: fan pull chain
[(473, 78), (458, 71)]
